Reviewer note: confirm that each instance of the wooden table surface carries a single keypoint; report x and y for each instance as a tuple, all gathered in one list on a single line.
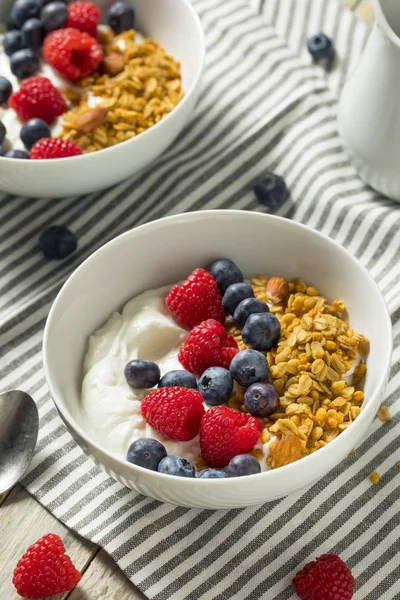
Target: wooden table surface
[(23, 520)]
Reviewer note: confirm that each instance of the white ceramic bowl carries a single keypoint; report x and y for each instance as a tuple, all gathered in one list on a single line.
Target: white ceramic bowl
[(175, 26), (166, 251)]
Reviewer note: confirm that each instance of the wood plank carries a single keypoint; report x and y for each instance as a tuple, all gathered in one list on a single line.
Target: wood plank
[(23, 521), (103, 580)]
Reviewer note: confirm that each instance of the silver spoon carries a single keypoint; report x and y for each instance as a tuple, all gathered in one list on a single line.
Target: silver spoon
[(19, 426)]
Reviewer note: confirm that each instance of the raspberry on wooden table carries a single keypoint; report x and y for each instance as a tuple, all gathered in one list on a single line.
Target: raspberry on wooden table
[(207, 345), (225, 433), (196, 299), (45, 569), (73, 53), (37, 98), (54, 148), (176, 412), (84, 16), (326, 578)]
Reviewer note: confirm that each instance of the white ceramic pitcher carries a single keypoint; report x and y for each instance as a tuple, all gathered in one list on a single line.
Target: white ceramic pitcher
[(369, 108)]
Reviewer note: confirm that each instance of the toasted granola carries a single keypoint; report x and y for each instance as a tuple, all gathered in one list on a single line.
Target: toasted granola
[(313, 367), (139, 85)]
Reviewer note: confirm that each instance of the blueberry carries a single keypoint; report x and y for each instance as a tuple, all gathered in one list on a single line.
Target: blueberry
[(212, 474), (2, 151), (3, 132), (178, 378), (175, 465), (216, 386), (11, 24), (33, 131), (17, 154), (32, 34), (248, 367), (243, 464), (247, 307), (235, 293), (23, 10), (57, 242), (271, 190), (261, 399), (320, 46), (5, 90), (147, 453), (225, 272), (54, 15), (142, 373), (121, 16), (24, 63), (12, 42), (261, 331), (44, 2)]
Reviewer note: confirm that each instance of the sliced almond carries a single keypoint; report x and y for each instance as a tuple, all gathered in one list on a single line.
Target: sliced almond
[(286, 451), (90, 119), (113, 64), (277, 289)]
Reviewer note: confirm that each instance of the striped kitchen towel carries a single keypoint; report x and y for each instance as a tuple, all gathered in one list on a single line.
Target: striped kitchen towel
[(264, 105)]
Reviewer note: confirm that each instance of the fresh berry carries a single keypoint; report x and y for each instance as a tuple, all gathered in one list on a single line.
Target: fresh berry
[(121, 16), (226, 432), (326, 578), (17, 154), (175, 412), (54, 15), (23, 10), (34, 130), (12, 42), (3, 132), (75, 54), (49, 148), (271, 190), (248, 367), (243, 464), (225, 272), (178, 378), (11, 24), (5, 90), (196, 299), (37, 98), (44, 2), (147, 453), (24, 63), (247, 307), (207, 345), (32, 34), (2, 151), (212, 474), (261, 399), (320, 46), (216, 386), (45, 569), (84, 16), (142, 373), (261, 331), (57, 242), (175, 465), (235, 293)]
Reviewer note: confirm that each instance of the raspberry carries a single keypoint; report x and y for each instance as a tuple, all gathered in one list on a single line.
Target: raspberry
[(54, 148), (37, 98), (225, 433), (45, 569), (75, 54), (207, 345), (84, 16), (326, 578), (175, 412), (196, 300)]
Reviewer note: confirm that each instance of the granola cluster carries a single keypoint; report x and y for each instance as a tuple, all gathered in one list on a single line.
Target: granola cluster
[(312, 367), (139, 84)]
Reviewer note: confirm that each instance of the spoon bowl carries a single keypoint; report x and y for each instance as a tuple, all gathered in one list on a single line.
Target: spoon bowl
[(19, 426)]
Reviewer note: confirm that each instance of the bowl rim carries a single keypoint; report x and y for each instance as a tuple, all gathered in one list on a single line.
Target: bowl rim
[(157, 126), (307, 461)]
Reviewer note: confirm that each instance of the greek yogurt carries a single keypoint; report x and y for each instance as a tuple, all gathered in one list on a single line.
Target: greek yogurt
[(112, 409)]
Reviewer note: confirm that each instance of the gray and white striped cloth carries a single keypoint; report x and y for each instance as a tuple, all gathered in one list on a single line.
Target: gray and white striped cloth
[(264, 105)]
